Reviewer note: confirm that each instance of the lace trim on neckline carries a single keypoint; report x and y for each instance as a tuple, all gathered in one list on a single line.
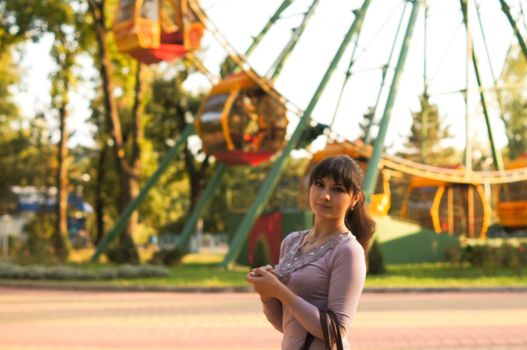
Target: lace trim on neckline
[(294, 259)]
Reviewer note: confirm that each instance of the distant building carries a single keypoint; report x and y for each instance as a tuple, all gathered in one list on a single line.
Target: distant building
[(31, 200)]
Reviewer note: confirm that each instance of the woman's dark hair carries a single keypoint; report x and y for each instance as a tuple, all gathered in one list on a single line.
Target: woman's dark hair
[(346, 171)]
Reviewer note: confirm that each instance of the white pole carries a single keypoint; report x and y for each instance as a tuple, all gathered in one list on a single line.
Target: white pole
[(5, 227)]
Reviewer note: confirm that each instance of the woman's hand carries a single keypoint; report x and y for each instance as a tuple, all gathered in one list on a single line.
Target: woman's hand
[(265, 282)]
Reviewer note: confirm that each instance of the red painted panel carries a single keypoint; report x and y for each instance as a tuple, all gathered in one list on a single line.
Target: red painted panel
[(269, 226)]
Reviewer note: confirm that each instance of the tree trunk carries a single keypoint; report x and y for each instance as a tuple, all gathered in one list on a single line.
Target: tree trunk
[(62, 244), (196, 177), (127, 248), (99, 199), (130, 176)]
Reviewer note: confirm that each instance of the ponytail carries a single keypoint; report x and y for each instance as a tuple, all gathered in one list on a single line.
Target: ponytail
[(360, 223)]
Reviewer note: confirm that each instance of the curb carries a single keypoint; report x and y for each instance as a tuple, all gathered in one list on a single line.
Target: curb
[(115, 288), (447, 290)]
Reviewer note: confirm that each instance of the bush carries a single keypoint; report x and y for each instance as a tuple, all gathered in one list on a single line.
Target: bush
[(68, 273), (261, 255), (108, 273), (152, 271), (126, 253), (489, 257), (171, 257), (376, 259), (38, 248)]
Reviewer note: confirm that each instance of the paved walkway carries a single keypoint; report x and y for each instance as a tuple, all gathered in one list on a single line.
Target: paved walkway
[(42, 319)]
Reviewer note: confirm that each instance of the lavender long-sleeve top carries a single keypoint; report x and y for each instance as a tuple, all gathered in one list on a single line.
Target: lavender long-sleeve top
[(329, 277)]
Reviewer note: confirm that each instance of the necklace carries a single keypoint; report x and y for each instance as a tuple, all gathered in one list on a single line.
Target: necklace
[(310, 238)]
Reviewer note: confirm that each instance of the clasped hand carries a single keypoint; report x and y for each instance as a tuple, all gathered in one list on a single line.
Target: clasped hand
[(265, 282)]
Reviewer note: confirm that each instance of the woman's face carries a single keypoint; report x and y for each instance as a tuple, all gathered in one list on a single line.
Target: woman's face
[(329, 200)]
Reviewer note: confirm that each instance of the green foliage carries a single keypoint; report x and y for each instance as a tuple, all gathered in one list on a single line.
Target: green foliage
[(24, 20), (170, 257), (38, 247), (424, 142), (376, 259), (227, 67), (10, 140), (261, 255), (123, 252), (67, 273), (241, 184), (491, 257), (310, 134), (171, 108), (366, 124), (514, 102), (21, 145)]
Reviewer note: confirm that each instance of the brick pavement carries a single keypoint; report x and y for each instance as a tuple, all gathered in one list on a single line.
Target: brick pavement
[(43, 319)]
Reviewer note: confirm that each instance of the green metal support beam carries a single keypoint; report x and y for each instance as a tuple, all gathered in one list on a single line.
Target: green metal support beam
[(125, 215), (373, 163), (489, 60), (347, 76), (506, 9), (367, 134), (277, 66), (203, 202), (272, 179), (496, 155), (268, 26)]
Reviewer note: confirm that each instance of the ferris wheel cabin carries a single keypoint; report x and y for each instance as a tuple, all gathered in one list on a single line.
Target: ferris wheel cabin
[(453, 208), (240, 124), (512, 202), (156, 30)]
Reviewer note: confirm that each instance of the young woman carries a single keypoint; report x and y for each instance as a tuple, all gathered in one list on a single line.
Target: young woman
[(324, 267)]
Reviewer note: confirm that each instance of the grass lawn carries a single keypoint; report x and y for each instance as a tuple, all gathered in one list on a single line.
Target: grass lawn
[(444, 275), (203, 271), (432, 275)]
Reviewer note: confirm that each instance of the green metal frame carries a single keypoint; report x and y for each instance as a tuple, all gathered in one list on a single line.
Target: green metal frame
[(277, 66), (204, 200), (345, 82), (506, 9), (496, 155), (494, 79), (268, 26), (272, 179), (373, 163), (367, 134)]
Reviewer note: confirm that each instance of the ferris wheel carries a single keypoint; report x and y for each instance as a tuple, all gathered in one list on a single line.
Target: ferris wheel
[(387, 59), (308, 63)]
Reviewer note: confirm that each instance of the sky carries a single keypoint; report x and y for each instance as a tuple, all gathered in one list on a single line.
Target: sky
[(240, 20)]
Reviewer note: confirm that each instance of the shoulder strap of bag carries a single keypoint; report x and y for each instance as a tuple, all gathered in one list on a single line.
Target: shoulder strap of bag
[(325, 332), (308, 341), (335, 329)]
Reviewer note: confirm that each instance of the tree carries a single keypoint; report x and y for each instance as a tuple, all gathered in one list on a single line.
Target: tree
[(172, 107), (514, 102), (24, 20), (366, 124), (71, 37), (426, 134), (30, 20), (126, 145), (9, 114)]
